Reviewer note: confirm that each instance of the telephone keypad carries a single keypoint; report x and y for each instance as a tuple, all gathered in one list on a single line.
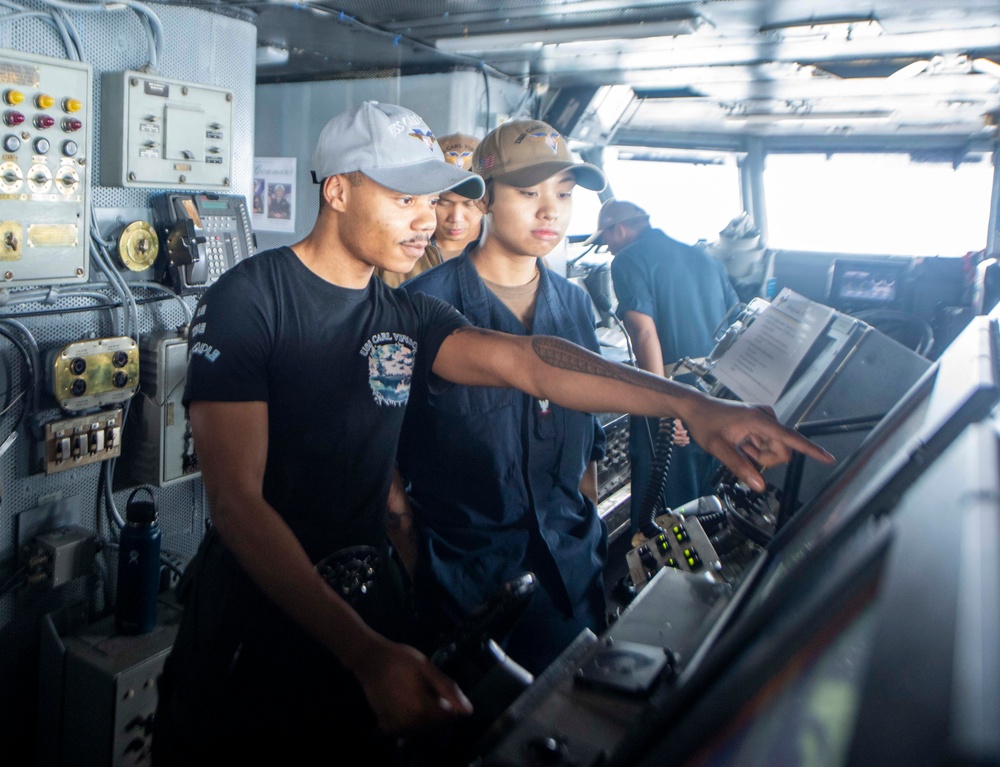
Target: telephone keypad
[(217, 244)]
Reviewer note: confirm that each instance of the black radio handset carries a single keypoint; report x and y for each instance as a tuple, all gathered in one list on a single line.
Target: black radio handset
[(205, 234), (185, 251)]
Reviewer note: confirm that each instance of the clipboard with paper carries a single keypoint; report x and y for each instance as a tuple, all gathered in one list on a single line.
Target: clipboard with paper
[(760, 363)]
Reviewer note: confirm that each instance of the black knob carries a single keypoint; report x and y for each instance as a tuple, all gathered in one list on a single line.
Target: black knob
[(77, 365), (119, 359), (120, 379), (78, 387)]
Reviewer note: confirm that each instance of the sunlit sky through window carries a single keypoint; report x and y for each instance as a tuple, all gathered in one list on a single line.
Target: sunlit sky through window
[(845, 203)]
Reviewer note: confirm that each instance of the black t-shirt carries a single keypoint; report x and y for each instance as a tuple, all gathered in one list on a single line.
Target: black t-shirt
[(334, 366)]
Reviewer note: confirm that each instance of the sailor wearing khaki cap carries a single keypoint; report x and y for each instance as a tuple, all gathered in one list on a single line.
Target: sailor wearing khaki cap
[(523, 482), (458, 217), (458, 149)]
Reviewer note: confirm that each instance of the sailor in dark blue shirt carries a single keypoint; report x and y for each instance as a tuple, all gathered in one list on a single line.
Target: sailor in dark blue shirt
[(671, 297), (495, 474)]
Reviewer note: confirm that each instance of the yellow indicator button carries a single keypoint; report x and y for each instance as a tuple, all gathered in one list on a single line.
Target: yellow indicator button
[(72, 105), (13, 97), (44, 101)]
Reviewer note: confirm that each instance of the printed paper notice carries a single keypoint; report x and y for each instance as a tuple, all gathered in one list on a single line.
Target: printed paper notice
[(274, 194), (759, 364)]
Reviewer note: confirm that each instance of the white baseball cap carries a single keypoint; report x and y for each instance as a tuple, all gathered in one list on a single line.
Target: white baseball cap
[(393, 147)]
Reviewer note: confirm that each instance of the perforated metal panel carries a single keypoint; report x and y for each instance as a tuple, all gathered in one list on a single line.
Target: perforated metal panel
[(199, 46)]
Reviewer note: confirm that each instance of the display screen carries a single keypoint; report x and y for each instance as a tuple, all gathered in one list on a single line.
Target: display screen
[(871, 285), (804, 715), (959, 389), (867, 283)]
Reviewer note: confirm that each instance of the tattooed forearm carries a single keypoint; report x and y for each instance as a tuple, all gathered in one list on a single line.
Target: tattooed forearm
[(569, 356)]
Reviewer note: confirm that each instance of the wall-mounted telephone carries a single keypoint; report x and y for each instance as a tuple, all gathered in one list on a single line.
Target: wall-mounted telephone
[(201, 235)]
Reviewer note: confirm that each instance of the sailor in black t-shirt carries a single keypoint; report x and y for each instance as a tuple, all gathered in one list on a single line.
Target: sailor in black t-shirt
[(300, 367)]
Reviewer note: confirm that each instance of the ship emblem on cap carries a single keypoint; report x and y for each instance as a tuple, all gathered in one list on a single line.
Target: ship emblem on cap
[(551, 139), (455, 157), (424, 135)]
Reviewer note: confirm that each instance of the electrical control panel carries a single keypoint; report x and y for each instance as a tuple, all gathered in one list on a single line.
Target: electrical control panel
[(160, 446), (95, 373), (74, 442), (683, 545), (46, 127), (172, 134), (614, 470)]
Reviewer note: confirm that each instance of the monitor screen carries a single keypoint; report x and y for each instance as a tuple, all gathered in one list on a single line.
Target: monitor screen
[(805, 712), (871, 283), (959, 389)]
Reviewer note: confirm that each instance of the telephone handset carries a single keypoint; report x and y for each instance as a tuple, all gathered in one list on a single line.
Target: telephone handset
[(202, 236)]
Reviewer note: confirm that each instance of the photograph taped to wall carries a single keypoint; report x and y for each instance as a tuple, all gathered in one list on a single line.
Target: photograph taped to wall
[(274, 194)]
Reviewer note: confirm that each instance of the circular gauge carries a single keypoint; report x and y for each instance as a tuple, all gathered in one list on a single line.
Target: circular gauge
[(11, 177), (138, 246), (39, 179)]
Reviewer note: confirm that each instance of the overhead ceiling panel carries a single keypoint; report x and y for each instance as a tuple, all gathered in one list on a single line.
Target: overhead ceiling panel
[(747, 56)]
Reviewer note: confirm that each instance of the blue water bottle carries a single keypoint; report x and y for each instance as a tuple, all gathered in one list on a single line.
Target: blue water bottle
[(138, 567)]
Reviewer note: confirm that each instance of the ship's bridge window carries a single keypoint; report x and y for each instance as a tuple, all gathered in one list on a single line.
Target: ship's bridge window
[(690, 195), (885, 204)]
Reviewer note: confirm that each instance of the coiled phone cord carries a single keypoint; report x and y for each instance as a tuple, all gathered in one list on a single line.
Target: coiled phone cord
[(652, 503)]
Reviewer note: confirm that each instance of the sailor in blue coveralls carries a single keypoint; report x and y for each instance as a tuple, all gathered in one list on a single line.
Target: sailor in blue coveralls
[(495, 474)]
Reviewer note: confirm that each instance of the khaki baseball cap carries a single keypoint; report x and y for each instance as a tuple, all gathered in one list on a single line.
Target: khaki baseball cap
[(458, 149), (614, 212), (392, 146), (523, 153)]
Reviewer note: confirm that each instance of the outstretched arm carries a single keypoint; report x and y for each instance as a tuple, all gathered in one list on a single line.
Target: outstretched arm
[(745, 438), (403, 687)]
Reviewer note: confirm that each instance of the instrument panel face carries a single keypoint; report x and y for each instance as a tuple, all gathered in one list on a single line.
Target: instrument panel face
[(46, 127)]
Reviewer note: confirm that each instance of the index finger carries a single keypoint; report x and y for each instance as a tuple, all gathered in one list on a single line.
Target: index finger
[(797, 442)]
